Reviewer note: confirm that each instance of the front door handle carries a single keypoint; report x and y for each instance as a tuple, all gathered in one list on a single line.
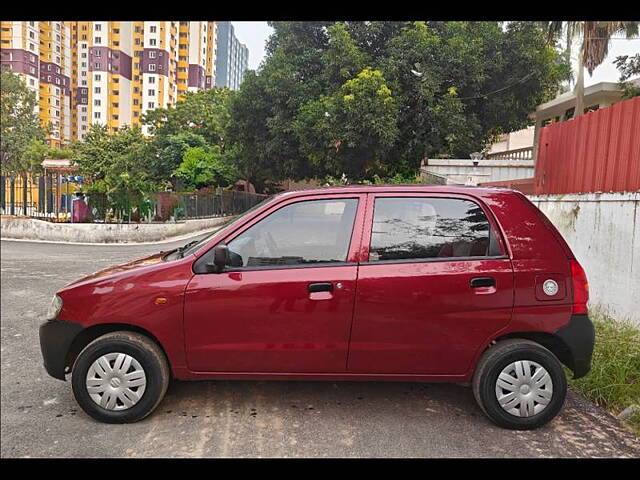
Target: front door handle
[(478, 282), (320, 287)]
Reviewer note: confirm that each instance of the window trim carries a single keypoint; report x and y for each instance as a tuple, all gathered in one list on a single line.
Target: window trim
[(367, 234), (352, 250)]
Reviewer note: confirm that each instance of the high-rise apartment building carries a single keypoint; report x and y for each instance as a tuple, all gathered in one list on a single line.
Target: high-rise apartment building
[(233, 58), (107, 73), (40, 52)]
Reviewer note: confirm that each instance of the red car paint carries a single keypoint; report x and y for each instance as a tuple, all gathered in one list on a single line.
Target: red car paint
[(390, 321)]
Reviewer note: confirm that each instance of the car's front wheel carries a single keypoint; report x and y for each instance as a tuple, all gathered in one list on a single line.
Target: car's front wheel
[(519, 384), (120, 377)]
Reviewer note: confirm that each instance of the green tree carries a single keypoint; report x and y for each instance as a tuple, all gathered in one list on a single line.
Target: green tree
[(116, 164), (352, 130), (19, 124), (628, 67), (202, 168), (167, 152), (450, 87), (203, 113)]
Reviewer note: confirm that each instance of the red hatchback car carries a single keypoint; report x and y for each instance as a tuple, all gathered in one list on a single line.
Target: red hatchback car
[(401, 283)]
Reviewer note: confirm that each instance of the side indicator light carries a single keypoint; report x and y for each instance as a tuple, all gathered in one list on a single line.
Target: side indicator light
[(160, 301)]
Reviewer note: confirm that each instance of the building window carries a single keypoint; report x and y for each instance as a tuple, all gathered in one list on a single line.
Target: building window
[(151, 105), (152, 42), (96, 90), (96, 103), (152, 92), (97, 40), (152, 29), (152, 79), (97, 77), (152, 54), (98, 27), (152, 67), (96, 115)]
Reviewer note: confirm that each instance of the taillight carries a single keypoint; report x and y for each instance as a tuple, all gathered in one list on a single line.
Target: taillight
[(580, 287)]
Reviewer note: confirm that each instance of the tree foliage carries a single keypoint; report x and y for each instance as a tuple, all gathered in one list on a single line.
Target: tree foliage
[(375, 98), (20, 131), (114, 163), (628, 67), (202, 167)]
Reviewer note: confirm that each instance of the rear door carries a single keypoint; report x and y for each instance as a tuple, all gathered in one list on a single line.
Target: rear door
[(437, 284)]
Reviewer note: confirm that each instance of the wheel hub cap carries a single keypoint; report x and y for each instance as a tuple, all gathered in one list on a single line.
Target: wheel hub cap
[(116, 381), (524, 388)]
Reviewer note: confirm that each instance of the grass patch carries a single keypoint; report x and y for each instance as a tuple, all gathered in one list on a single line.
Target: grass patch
[(614, 380)]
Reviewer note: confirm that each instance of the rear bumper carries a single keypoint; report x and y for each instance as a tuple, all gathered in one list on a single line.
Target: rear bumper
[(579, 337), (56, 338)]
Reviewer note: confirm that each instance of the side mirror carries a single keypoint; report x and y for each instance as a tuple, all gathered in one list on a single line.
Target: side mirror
[(220, 258)]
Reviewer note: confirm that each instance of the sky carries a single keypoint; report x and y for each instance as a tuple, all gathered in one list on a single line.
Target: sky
[(255, 34)]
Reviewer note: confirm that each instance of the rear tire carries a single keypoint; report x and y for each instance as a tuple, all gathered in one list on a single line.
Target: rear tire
[(532, 373), (120, 377)]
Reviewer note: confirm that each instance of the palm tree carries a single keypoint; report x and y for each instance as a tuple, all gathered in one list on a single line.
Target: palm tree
[(595, 46)]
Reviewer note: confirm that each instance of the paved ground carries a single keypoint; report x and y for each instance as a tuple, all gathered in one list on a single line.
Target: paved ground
[(39, 417)]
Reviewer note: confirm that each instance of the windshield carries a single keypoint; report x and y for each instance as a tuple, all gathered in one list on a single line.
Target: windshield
[(194, 245)]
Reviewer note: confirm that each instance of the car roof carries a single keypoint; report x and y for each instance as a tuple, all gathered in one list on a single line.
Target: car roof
[(460, 189)]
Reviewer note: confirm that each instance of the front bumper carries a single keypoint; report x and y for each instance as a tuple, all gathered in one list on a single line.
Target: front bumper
[(579, 337), (56, 338)]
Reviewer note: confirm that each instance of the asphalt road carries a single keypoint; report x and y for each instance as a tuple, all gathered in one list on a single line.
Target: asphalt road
[(40, 418)]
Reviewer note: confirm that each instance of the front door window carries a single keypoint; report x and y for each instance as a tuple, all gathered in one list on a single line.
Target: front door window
[(303, 233)]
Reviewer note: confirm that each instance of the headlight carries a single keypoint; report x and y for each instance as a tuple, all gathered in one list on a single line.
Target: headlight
[(54, 308)]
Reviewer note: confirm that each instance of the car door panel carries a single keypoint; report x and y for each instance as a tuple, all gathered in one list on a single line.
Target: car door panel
[(269, 321), (277, 318), (425, 318), (430, 315)]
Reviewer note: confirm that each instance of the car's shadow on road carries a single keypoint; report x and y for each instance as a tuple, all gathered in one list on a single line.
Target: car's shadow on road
[(248, 397)]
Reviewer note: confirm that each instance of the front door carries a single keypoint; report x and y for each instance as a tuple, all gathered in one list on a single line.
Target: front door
[(436, 286), (285, 304)]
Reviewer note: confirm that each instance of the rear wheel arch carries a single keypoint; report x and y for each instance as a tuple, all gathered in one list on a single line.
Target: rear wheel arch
[(89, 334), (551, 342)]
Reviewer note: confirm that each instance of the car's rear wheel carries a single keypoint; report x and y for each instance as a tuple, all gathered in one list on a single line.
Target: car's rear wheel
[(120, 377), (519, 384)]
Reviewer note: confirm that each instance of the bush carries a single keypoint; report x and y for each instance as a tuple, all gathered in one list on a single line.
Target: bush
[(614, 379)]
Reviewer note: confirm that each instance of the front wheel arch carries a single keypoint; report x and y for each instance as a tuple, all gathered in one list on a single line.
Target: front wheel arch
[(89, 334)]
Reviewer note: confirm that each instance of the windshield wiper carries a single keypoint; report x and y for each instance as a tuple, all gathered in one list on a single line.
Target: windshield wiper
[(182, 249)]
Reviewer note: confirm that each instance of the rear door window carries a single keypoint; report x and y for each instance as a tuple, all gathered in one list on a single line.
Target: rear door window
[(430, 228)]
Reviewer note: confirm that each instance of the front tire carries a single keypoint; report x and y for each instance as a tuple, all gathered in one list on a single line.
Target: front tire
[(120, 377), (519, 384)]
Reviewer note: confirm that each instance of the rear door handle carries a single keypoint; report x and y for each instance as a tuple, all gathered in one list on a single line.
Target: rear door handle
[(320, 287), (478, 282)]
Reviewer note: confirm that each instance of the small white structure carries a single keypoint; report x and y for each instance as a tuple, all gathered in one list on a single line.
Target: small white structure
[(474, 172)]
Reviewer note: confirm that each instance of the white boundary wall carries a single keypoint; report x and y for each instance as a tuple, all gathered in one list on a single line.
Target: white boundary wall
[(603, 230), (22, 228)]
